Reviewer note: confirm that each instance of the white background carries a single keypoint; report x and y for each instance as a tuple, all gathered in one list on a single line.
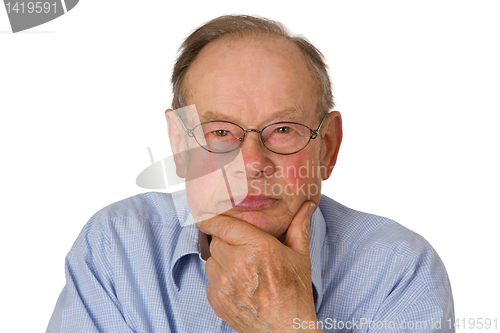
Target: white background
[(83, 96)]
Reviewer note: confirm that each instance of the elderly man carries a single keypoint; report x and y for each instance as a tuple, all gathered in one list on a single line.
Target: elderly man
[(251, 245)]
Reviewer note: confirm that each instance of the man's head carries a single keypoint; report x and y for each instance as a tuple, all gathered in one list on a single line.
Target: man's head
[(249, 71), (238, 26)]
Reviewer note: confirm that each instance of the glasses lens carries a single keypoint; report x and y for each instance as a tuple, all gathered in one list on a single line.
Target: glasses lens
[(219, 136), (286, 138)]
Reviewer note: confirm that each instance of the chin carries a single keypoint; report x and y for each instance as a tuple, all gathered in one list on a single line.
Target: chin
[(259, 220)]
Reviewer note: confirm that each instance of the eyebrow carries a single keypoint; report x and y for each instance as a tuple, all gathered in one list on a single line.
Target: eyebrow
[(290, 114)]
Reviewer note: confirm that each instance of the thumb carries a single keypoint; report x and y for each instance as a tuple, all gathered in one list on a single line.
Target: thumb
[(297, 235)]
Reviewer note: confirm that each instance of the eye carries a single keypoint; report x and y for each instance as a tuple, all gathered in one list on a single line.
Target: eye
[(283, 130), (221, 132)]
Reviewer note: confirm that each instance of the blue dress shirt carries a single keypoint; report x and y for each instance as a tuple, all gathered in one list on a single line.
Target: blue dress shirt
[(136, 267)]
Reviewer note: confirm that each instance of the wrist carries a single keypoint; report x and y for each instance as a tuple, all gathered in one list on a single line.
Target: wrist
[(306, 324)]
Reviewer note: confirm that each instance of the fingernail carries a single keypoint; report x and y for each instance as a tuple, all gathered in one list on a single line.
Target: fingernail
[(198, 218), (311, 209)]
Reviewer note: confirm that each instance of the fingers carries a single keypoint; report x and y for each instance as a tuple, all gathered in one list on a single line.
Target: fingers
[(213, 270), (232, 279), (237, 232), (203, 217), (221, 251), (231, 230)]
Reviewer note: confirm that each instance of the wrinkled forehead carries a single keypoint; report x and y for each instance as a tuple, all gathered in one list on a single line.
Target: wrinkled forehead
[(265, 70), (252, 44)]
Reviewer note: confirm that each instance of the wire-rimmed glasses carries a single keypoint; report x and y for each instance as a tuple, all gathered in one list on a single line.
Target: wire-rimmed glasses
[(284, 137)]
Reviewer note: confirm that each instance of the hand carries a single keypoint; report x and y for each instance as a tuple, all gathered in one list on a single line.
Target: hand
[(256, 283)]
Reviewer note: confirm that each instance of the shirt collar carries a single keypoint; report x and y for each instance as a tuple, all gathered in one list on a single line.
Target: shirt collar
[(318, 232), (189, 238), (187, 243)]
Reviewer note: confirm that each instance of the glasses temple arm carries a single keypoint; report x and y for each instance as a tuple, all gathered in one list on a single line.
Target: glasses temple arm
[(316, 132)]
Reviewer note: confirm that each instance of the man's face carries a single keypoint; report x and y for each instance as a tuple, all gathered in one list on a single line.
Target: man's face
[(254, 82)]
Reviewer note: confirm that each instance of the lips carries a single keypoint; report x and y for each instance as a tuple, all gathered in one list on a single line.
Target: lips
[(257, 202)]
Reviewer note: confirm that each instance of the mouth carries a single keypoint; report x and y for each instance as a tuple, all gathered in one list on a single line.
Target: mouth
[(257, 202)]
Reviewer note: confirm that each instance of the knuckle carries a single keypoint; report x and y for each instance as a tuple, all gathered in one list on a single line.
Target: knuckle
[(227, 230), (213, 297), (210, 292), (213, 245), (226, 284), (268, 249), (209, 265)]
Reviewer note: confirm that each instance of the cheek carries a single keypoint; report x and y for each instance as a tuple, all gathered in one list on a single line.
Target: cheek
[(204, 193), (204, 187), (198, 200), (302, 176), (200, 164)]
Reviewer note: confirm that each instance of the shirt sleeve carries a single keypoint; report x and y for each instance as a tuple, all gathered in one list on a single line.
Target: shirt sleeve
[(421, 301), (430, 312), (87, 302)]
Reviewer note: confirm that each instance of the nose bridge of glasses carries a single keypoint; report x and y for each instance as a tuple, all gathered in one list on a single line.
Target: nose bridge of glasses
[(261, 139)]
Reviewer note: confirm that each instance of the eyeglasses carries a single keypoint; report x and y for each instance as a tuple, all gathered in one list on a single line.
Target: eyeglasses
[(284, 138)]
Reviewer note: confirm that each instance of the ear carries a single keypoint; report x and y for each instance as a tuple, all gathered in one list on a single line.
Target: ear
[(178, 143), (332, 138)]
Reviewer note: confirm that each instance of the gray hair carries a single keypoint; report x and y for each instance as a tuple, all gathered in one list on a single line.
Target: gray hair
[(240, 25)]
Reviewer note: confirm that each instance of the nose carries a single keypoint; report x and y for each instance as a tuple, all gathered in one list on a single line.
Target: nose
[(257, 162)]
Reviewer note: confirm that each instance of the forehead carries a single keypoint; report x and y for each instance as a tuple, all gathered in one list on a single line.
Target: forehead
[(251, 78)]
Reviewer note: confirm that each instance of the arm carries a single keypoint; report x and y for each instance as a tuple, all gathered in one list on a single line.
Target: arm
[(413, 288), (413, 307), (87, 302)]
